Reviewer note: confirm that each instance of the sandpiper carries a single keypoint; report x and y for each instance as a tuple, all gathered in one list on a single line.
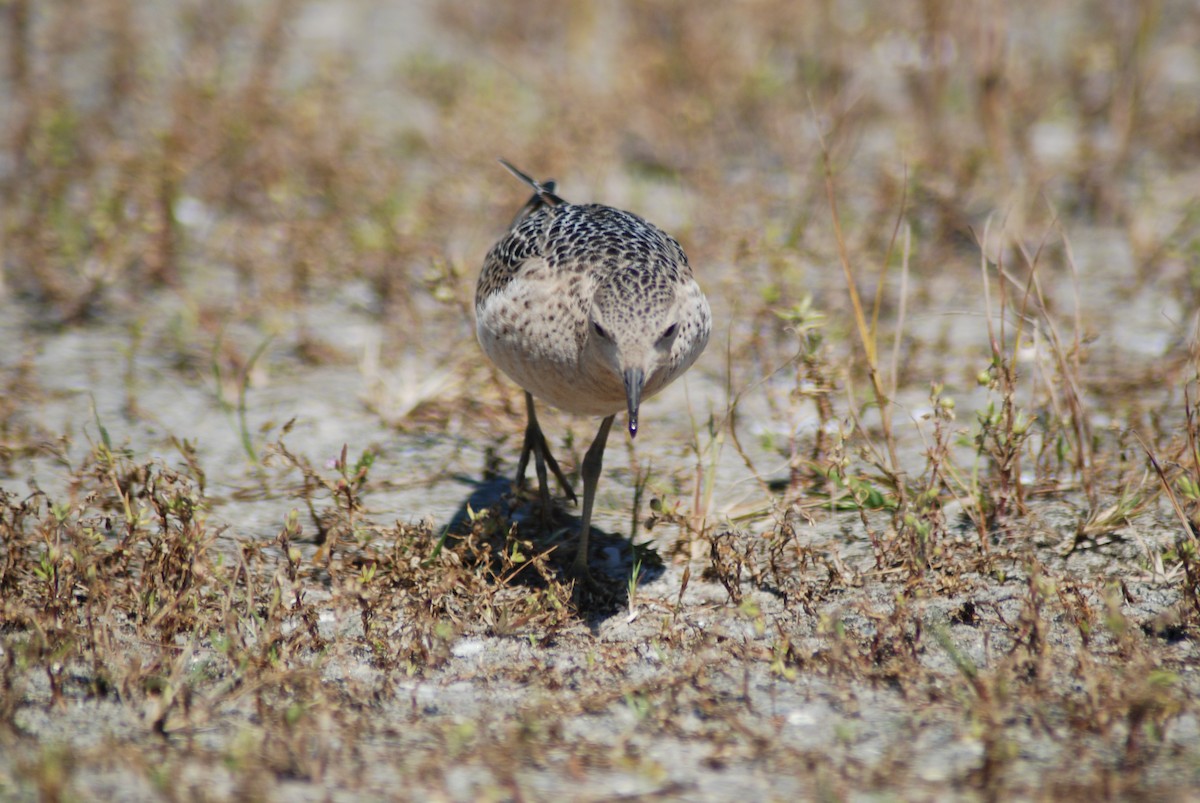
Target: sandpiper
[(592, 310)]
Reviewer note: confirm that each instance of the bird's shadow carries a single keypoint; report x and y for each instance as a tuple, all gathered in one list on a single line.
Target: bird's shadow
[(612, 559)]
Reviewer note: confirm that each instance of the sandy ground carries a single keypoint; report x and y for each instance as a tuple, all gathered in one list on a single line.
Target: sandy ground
[(774, 645)]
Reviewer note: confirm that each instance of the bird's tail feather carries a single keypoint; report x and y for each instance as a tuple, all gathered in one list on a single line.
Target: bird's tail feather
[(543, 193)]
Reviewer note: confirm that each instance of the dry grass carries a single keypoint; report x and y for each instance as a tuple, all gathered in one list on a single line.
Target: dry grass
[(928, 527)]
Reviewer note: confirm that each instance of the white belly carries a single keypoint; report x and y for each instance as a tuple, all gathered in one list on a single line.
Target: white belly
[(536, 335), (542, 355)]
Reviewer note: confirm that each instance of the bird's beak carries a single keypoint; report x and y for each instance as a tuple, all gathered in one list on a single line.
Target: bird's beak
[(634, 380)]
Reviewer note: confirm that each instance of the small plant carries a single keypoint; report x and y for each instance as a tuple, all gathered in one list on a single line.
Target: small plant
[(631, 584), (243, 386)]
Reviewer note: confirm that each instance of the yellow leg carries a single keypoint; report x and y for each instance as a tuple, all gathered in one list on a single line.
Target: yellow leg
[(592, 463), (535, 444)]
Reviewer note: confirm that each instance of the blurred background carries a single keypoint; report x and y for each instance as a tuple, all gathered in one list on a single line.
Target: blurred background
[(232, 195), (898, 524)]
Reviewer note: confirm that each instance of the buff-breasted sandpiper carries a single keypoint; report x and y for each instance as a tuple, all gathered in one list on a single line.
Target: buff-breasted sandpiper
[(589, 309)]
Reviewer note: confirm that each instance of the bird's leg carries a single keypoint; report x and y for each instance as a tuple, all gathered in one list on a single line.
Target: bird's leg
[(535, 443), (592, 462)]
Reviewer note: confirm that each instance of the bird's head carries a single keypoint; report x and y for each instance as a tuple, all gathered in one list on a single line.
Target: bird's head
[(632, 328)]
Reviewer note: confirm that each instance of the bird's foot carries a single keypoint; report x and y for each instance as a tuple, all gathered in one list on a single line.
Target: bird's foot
[(592, 592)]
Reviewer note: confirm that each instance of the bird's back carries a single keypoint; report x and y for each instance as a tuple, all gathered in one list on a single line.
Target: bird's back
[(591, 240)]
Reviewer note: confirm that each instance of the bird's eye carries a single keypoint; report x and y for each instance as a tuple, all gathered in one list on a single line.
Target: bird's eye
[(600, 330), (669, 332)]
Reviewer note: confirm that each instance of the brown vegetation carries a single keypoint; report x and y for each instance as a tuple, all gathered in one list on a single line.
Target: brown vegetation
[(926, 524)]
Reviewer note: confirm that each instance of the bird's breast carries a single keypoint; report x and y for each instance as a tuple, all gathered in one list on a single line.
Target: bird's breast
[(537, 339)]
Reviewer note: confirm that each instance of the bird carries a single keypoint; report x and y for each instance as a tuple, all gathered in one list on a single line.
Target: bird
[(589, 309)]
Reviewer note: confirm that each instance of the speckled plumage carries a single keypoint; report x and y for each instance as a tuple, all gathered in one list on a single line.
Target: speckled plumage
[(542, 282), (590, 309)]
